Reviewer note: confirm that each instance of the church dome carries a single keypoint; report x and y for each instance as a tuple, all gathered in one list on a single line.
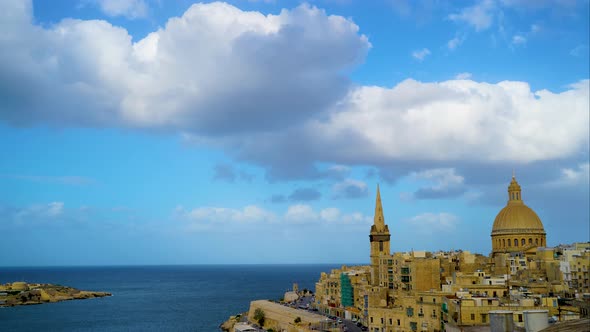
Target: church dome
[(517, 218), (517, 227)]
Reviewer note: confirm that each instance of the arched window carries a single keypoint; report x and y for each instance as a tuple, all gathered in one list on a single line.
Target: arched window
[(530, 241), (516, 242), (522, 242), (537, 241), (504, 243), (541, 241)]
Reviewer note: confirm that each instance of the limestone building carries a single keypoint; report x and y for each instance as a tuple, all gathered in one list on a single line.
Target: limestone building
[(517, 228), (456, 290)]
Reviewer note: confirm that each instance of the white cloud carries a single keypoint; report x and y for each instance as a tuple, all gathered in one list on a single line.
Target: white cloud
[(232, 95), (518, 40), (350, 188), (463, 76), (456, 120), (445, 182), (39, 212), (454, 43), (330, 214), (356, 218), (301, 213), (168, 80), (480, 16), (579, 50), (535, 28), (443, 177), (233, 220), (434, 222), (131, 9), (248, 214), (421, 54), (55, 208), (575, 176)]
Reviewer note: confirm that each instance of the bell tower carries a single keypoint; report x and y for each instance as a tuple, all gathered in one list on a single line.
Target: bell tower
[(379, 239)]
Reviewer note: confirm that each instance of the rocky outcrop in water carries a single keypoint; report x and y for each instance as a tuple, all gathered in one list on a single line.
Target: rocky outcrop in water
[(22, 293)]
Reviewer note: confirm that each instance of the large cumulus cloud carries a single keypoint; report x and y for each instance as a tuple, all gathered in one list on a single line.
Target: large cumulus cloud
[(273, 90), (213, 71), (418, 125)]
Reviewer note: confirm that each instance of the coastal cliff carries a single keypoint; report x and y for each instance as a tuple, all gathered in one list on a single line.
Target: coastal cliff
[(21, 293)]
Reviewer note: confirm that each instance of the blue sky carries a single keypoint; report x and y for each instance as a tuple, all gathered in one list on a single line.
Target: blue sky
[(173, 132)]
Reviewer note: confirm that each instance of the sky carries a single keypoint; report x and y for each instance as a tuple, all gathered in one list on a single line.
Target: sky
[(140, 132)]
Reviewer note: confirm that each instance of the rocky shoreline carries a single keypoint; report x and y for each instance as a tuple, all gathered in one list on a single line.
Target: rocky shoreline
[(228, 325), (22, 293)]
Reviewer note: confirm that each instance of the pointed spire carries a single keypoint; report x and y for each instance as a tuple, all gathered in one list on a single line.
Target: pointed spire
[(378, 220)]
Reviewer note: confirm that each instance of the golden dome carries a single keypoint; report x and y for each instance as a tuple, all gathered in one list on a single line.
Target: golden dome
[(516, 217)]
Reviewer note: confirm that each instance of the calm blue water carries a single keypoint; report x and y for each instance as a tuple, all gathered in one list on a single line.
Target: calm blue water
[(153, 298)]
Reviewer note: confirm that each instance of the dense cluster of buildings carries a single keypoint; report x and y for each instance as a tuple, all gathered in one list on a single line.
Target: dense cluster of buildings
[(457, 290)]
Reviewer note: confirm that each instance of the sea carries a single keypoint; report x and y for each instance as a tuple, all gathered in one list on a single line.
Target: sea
[(152, 298)]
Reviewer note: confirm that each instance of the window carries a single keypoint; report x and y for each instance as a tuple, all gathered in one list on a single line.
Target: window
[(503, 242), (381, 320), (433, 300), (380, 245), (410, 311), (530, 241), (414, 326), (522, 242), (390, 321), (484, 318), (399, 322), (537, 241), (371, 319), (516, 242), (472, 316)]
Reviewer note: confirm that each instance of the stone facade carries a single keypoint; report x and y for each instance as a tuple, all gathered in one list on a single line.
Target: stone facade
[(456, 290)]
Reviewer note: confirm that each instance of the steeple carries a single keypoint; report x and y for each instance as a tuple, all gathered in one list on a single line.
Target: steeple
[(514, 191), (380, 240), (378, 220)]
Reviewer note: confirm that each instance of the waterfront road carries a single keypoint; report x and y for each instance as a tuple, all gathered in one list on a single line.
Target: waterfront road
[(350, 326)]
